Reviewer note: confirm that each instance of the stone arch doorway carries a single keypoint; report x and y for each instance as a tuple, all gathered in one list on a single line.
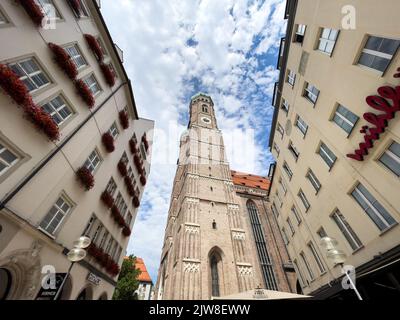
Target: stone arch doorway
[(216, 272), (85, 294), (5, 283), (103, 296)]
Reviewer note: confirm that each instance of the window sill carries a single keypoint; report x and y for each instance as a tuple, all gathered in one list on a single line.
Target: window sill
[(388, 229), (46, 233), (357, 250)]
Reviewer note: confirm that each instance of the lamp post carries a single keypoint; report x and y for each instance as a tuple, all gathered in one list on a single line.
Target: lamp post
[(337, 256), (76, 254)]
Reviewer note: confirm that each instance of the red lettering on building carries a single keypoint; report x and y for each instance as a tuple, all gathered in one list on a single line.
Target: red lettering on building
[(380, 121)]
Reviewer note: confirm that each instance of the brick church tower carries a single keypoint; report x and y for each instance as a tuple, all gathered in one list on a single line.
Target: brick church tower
[(206, 249)]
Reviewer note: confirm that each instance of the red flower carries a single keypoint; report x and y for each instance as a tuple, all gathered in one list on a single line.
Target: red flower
[(107, 199), (143, 180), (135, 201), (84, 92), (94, 46), (108, 74), (138, 163), (123, 118), (133, 147), (108, 142), (113, 269), (13, 86), (145, 142), (122, 168), (115, 213), (43, 121), (85, 177), (76, 6), (64, 61), (94, 251), (129, 186), (33, 10), (126, 231)]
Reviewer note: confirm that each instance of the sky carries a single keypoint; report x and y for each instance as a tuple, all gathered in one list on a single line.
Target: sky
[(172, 50)]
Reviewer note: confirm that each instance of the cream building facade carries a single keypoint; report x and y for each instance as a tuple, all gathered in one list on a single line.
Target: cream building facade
[(336, 140), (209, 247), (43, 206)]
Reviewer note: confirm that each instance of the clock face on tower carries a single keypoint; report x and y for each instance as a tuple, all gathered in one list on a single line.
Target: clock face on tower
[(206, 120)]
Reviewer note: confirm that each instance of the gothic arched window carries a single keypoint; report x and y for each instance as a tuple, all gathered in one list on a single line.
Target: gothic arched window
[(214, 276)]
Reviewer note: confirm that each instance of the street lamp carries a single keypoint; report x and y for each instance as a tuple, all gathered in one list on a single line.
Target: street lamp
[(76, 254), (337, 256)]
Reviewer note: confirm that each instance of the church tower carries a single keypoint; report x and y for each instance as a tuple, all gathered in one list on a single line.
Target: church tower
[(206, 251)]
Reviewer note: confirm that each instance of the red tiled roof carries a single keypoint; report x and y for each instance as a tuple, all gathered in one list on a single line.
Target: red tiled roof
[(144, 275), (250, 180)]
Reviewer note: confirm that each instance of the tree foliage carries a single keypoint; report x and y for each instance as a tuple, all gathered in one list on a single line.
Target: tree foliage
[(127, 281)]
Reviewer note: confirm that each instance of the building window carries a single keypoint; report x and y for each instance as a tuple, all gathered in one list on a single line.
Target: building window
[(285, 236), (301, 125), (30, 73), (313, 180), (214, 225), (214, 276), (287, 170), (48, 8), (347, 230), (293, 150), (93, 161), (327, 155), (304, 200), (276, 148), (283, 186), (89, 226), (76, 56), (109, 245), (307, 265), (263, 255), (111, 187), (373, 208), (280, 130), (8, 159), (289, 222), (345, 119), (55, 216), (275, 209), (143, 151), (298, 272), (391, 158), (327, 40), (378, 53), (103, 239), (279, 198), (291, 77), (321, 233), (58, 109), (299, 34), (285, 106), (311, 93), (93, 84), (121, 205), (204, 108), (317, 258), (114, 131), (296, 214), (97, 233)]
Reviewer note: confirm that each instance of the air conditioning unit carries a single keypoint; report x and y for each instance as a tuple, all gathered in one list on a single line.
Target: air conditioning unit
[(298, 38)]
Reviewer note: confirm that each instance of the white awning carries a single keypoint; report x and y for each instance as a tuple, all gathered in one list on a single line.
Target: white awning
[(262, 294)]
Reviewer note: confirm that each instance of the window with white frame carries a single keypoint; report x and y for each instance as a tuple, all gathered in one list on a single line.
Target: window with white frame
[(76, 56), (278, 196), (289, 222), (111, 186), (128, 218), (121, 204), (280, 130), (89, 226), (293, 150), (102, 47), (53, 219), (93, 85), (313, 180), (283, 186), (285, 236), (58, 109), (124, 159), (97, 234), (291, 77), (304, 200), (143, 151), (303, 283), (276, 148), (311, 93), (296, 214), (322, 233), (301, 125), (317, 258), (327, 40), (347, 231), (300, 31), (378, 52), (391, 158), (345, 119), (109, 245), (48, 8), (8, 158), (307, 265), (378, 214), (93, 161), (285, 106), (103, 240), (287, 170), (31, 74), (114, 130), (327, 155)]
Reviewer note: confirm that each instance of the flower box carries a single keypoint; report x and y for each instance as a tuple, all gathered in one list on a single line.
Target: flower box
[(126, 231), (135, 201), (108, 74), (33, 10), (95, 47), (85, 177), (129, 186), (13, 86), (143, 180), (145, 142), (122, 168), (123, 119), (42, 121), (64, 61), (108, 142), (84, 92), (107, 199)]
